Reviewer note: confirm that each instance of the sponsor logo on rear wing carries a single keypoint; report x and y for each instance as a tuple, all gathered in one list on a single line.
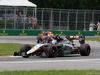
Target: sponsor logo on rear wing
[(75, 37)]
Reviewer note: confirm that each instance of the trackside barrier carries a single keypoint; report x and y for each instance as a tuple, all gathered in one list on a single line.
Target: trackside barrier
[(38, 32)]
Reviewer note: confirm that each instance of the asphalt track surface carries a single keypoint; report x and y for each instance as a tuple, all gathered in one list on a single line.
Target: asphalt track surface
[(59, 63)]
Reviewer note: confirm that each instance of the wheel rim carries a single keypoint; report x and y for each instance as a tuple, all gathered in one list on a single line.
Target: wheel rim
[(88, 50), (27, 48), (23, 54), (53, 51)]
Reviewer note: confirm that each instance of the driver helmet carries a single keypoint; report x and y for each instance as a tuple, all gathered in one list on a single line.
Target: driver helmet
[(54, 41), (50, 34)]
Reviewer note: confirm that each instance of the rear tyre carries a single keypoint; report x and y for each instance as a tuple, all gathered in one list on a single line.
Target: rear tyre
[(24, 49), (52, 51), (85, 50)]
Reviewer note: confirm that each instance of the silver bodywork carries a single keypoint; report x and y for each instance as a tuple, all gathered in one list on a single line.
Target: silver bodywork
[(65, 42)]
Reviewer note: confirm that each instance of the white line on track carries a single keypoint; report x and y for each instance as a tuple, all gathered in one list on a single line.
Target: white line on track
[(15, 56), (48, 61)]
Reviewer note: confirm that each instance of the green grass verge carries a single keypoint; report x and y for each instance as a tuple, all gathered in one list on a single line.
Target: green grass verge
[(53, 72), (9, 48), (93, 39)]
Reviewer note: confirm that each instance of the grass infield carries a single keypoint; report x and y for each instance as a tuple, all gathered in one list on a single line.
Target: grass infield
[(93, 39), (9, 48), (52, 72)]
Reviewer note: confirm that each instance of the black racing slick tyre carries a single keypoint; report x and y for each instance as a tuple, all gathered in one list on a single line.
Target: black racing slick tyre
[(24, 49), (52, 51), (85, 50)]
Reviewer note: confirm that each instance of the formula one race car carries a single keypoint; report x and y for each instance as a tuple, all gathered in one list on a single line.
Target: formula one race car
[(50, 48)]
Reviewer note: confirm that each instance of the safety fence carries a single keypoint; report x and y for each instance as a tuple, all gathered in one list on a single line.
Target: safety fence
[(38, 33), (47, 18)]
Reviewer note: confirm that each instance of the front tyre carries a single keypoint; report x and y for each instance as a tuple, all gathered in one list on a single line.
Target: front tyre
[(85, 50), (24, 49)]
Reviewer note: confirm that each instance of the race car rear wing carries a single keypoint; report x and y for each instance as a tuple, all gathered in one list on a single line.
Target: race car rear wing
[(75, 37), (80, 38)]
